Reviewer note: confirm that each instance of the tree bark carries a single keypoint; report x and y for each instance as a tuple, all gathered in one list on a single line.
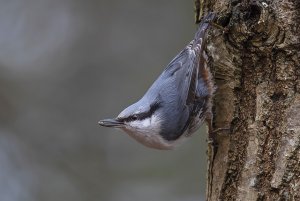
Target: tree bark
[(255, 64)]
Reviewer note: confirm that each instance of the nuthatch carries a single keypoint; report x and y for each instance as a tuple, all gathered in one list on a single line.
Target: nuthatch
[(177, 103)]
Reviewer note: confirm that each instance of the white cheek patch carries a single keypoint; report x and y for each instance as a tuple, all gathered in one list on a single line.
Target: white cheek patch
[(141, 123), (146, 131), (149, 124), (155, 120)]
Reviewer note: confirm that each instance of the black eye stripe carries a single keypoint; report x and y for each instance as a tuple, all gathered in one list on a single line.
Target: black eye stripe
[(154, 106), (143, 115)]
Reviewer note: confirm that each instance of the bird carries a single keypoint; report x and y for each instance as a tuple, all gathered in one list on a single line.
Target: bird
[(177, 103)]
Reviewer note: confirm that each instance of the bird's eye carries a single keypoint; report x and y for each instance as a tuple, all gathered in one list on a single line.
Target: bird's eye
[(134, 117)]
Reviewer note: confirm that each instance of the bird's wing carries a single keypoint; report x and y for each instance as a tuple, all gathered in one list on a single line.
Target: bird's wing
[(190, 64), (183, 72), (185, 69)]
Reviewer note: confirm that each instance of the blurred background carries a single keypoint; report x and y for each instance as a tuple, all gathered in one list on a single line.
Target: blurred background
[(64, 65)]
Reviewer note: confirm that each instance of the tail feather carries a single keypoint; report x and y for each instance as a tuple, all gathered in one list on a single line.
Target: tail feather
[(203, 26)]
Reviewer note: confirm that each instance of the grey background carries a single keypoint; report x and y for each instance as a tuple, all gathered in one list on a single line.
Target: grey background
[(65, 64)]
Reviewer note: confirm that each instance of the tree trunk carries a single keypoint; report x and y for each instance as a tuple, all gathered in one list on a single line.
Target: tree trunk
[(255, 63)]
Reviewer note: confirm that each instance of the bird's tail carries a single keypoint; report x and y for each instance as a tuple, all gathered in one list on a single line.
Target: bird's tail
[(203, 26), (205, 85)]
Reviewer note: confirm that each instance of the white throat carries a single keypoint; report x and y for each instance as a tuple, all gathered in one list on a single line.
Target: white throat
[(146, 131)]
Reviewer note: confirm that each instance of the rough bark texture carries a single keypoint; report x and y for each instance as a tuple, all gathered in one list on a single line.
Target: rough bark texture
[(256, 67)]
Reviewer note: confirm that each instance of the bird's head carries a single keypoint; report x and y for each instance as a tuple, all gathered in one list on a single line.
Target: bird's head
[(143, 122)]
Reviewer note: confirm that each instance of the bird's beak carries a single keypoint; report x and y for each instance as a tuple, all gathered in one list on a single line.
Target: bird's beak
[(111, 123)]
